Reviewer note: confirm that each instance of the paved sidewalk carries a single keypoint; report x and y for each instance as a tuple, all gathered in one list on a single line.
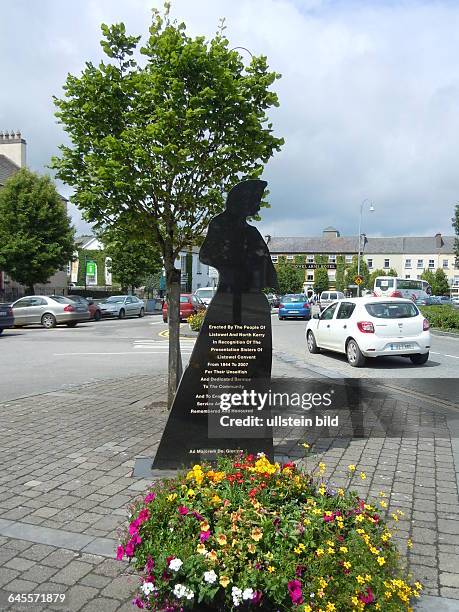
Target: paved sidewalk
[(66, 482)]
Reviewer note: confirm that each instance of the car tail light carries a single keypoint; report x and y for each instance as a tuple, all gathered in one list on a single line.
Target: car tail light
[(281, 306), (425, 325), (396, 294), (69, 308), (366, 327), (306, 305)]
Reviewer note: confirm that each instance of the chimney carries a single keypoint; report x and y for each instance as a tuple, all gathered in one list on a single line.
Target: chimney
[(13, 146), (330, 232), (267, 238), (438, 241)]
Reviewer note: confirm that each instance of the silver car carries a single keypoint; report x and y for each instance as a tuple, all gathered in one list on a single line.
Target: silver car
[(48, 310), (122, 306)]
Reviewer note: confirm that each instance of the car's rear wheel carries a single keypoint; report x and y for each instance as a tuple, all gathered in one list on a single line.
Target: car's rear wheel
[(97, 315), (354, 354), (121, 314), (281, 318), (142, 312), (419, 358), (72, 323), (48, 320), (311, 342)]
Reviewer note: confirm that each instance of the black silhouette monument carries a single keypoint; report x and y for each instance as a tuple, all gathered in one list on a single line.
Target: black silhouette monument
[(235, 342)]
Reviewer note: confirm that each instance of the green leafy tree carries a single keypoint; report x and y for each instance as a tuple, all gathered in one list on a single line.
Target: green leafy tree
[(289, 277), (161, 139), (440, 284), (352, 272), (429, 276), (455, 221), (132, 260), (340, 279), (36, 236), (321, 281)]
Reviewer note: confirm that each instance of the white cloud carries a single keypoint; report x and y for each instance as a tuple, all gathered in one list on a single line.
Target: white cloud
[(369, 98)]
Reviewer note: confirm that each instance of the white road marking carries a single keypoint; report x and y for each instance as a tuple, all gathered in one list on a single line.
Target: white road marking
[(120, 353), (444, 355)]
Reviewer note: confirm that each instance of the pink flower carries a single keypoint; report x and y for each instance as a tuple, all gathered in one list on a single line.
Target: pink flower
[(183, 510), (120, 553), (138, 602), (149, 498), (130, 548), (205, 535), (256, 598), (329, 517), (144, 515), (368, 598), (294, 590), (150, 564), (134, 528)]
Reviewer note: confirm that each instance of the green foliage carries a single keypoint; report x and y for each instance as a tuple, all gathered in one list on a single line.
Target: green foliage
[(321, 281), (290, 279), (156, 143), (133, 260), (429, 276), (352, 272), (36, 237), (195, 321), (340, 281), (442, 317), (440, 285)]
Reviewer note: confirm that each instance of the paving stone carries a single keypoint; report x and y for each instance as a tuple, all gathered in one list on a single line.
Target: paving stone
[(449, 580), (77, 596), (37, 552), (110, 568), (7, 575), (102, 604), (18, 585), (95, 580), (72, 572), (60, 558), (121, 587), (20, 564)]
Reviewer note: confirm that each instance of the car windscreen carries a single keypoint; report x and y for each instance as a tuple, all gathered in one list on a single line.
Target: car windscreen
[(384, 283), (205, 293), (115, 298), (288, 299), (61, 299), (389, 310)]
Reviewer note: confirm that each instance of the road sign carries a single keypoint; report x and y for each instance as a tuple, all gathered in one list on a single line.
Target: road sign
[(358, 280)]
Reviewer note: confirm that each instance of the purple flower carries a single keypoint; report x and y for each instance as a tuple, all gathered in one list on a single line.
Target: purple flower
[(205, 535), (294, 590), (138, 602), (150, 564), (149, 498), (120, 553), (197, 516), (256, 597), (183, 510)]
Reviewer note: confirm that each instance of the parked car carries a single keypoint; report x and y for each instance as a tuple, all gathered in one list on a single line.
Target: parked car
[(6, 317), (122, 306), (48, 310), (442, 300), (94, 309), (205, 294), (294, 306), (189, 305), (371, 327), (328, 297)]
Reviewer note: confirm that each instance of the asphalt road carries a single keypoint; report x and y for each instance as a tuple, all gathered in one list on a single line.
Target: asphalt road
[(34, 360)]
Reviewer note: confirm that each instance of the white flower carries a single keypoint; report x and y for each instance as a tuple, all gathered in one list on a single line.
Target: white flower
[(247, 594), (180, 590), (148, 587), (236, 594), (175, 564), (260, 455), (210, 577)]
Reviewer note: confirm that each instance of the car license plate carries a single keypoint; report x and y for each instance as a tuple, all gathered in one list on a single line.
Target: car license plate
[(401, 347), (2, 313), (294, 311)]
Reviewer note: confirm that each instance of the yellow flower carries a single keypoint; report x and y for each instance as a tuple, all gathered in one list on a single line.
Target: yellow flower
[(201, 549), (409, 543), (307, 521), (383, 504), (323, 583), (360, 579), (307, 608), (305, 445), (382, 494), (331, 550), (331, 607), (381, 560), (351, 467), (373, 550), (355, 601), (320, 552), (205, 526), (224, 581), (343, 549), (347, 565), (341, 492), (270, 569), (221, 539), (367, 577), (269, 556), (359, 518), (322, 489), (299, 549), (362, 475), (190, 493), (256, 534), (216, 500), (320, 593), (212, 555), (322, 466), (251, 548), (388, 594), (171, 497), (418, 585)]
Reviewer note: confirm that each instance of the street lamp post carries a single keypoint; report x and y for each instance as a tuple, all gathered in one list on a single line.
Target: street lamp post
[(360, 238)]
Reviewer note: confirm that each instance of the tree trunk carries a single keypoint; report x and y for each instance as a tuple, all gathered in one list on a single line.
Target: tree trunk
[(30, 290), (173, 315), (132, 289)]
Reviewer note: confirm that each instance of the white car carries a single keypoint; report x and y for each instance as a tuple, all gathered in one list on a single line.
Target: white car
[(205, 294), (371, 327)]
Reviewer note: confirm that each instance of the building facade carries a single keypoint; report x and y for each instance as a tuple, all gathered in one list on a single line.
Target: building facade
[(409, 256)]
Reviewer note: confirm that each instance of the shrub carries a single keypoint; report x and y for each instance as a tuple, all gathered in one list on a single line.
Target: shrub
[(250, 534), (442, 317), (195, 321)]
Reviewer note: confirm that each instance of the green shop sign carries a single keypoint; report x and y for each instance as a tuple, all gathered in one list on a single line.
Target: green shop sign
[(91, 268)]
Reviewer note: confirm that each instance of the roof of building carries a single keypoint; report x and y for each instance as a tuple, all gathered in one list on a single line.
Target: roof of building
[(349, 244), (7, 168)]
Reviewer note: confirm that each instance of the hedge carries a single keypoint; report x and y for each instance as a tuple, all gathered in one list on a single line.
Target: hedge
[(442, 317)]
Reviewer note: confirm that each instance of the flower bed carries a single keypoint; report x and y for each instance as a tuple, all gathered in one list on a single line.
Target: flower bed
[(250, 534), (195, 321)]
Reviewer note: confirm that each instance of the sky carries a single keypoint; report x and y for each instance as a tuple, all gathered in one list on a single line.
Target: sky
[(369, 99)]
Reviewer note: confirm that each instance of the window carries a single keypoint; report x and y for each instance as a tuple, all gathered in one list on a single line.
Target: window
[(348, 260), (387, 263), (128, 300), (184, 299), (183, 263), (332, 259), (329, 312), (274, 258), (198, 266), (418, 276), (23, 303), (310, 276), (345, 310), (407, 263), (310, 259), (445, 263), (369, 263), (420, 264), (456, 281), (407, 275), (389, 310), (431, 264), (290, 257)]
